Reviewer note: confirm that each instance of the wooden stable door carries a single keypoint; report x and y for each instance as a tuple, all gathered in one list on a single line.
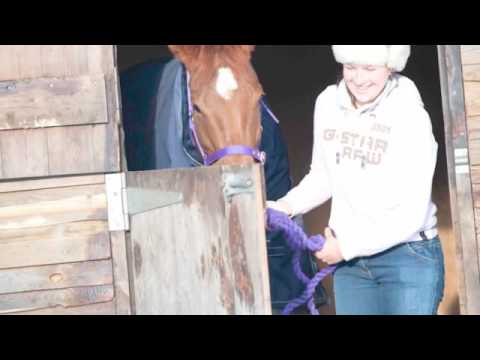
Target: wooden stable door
[(197, 240)]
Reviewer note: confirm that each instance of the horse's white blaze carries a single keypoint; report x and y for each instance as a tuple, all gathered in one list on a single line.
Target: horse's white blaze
[(226, 83)]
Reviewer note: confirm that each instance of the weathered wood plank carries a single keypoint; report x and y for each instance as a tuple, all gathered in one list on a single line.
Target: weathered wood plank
[(247, 257), (475, 174), (8, 62), (84, 91), (13, 152), (28, 57), (52, 58), (453, 101), (91, 149), (471, 72), (470, 265), (52, 206), (73, 242), (213, 255), (470, 54), (113, 157), (105, 148), (472, 98), (27, 301), (71, 150), (474, 148), (258, 254), (100, 59), (1, 160), (154, 295), (56, 276), (473, 123), (51, 102), (476, 194), (28, 185), (120, 273), (34, 61), (36, 159), (106, 308), (80, 155), (76, 57), (24, 153)]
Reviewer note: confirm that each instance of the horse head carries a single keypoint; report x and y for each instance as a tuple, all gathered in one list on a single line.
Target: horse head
[(225, 96)]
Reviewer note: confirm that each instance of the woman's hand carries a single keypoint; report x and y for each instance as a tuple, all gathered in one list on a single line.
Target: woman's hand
[(330, 253), (280, 206)]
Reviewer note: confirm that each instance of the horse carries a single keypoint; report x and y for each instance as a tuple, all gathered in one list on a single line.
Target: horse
[(206, 106)]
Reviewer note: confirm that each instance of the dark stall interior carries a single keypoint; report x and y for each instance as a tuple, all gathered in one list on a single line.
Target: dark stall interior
[(292, 77)]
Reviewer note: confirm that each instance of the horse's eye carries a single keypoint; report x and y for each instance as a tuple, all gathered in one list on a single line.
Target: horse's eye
[(196, 109)]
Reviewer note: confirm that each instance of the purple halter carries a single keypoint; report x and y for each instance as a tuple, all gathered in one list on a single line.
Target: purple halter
[(209, 159)]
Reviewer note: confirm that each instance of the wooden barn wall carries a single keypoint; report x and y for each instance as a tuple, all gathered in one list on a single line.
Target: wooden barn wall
[(471, 77), (59, 112), (463, 67), (57, 255)]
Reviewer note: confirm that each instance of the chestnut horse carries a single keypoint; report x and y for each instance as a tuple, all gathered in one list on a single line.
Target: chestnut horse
[(224, 101)]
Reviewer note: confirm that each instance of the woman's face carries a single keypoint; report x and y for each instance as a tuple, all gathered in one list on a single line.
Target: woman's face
[(365, 82)]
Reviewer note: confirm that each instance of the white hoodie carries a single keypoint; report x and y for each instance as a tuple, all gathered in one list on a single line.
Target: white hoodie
[(376, 163)]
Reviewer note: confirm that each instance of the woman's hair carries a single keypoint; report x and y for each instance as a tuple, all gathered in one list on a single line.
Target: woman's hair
[(339, 80), (339, 73)]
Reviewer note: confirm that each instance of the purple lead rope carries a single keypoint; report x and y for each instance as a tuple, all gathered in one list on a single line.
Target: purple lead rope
[(298, 242)]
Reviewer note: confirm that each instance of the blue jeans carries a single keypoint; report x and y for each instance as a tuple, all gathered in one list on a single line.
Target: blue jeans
[(408, 279)]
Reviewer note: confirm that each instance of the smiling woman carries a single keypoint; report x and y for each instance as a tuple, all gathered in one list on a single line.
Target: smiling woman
[(365, 82), (292, 77), (381, 209)]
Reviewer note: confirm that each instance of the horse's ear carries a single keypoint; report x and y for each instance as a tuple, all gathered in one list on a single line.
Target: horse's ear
[(187, 54), (247, 50)]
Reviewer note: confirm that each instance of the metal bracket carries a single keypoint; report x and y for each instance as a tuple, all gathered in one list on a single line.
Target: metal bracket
[(123, 201), (7, 86), (142, 200), (235, 184)]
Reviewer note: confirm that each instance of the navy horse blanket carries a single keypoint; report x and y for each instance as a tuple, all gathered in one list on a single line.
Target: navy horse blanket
[(157, 136)]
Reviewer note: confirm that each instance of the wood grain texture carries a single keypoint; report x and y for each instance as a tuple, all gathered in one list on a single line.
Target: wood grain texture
[(89, 273), (204, 256), (48, 102), (106, 308), (120, 271), (28, 301), (462, 199), (72, 242)]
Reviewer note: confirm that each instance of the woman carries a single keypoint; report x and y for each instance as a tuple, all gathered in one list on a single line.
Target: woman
[(374, 154)]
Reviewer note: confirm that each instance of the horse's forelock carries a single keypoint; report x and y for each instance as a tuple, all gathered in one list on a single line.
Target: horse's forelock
[(197, 55)]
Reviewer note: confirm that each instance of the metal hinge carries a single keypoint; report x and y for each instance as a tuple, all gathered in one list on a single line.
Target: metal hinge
[(235, 184), (128, 201), (8, 86)]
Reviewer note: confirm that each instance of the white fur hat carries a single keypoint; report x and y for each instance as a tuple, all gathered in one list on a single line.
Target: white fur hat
[(394, 57)]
